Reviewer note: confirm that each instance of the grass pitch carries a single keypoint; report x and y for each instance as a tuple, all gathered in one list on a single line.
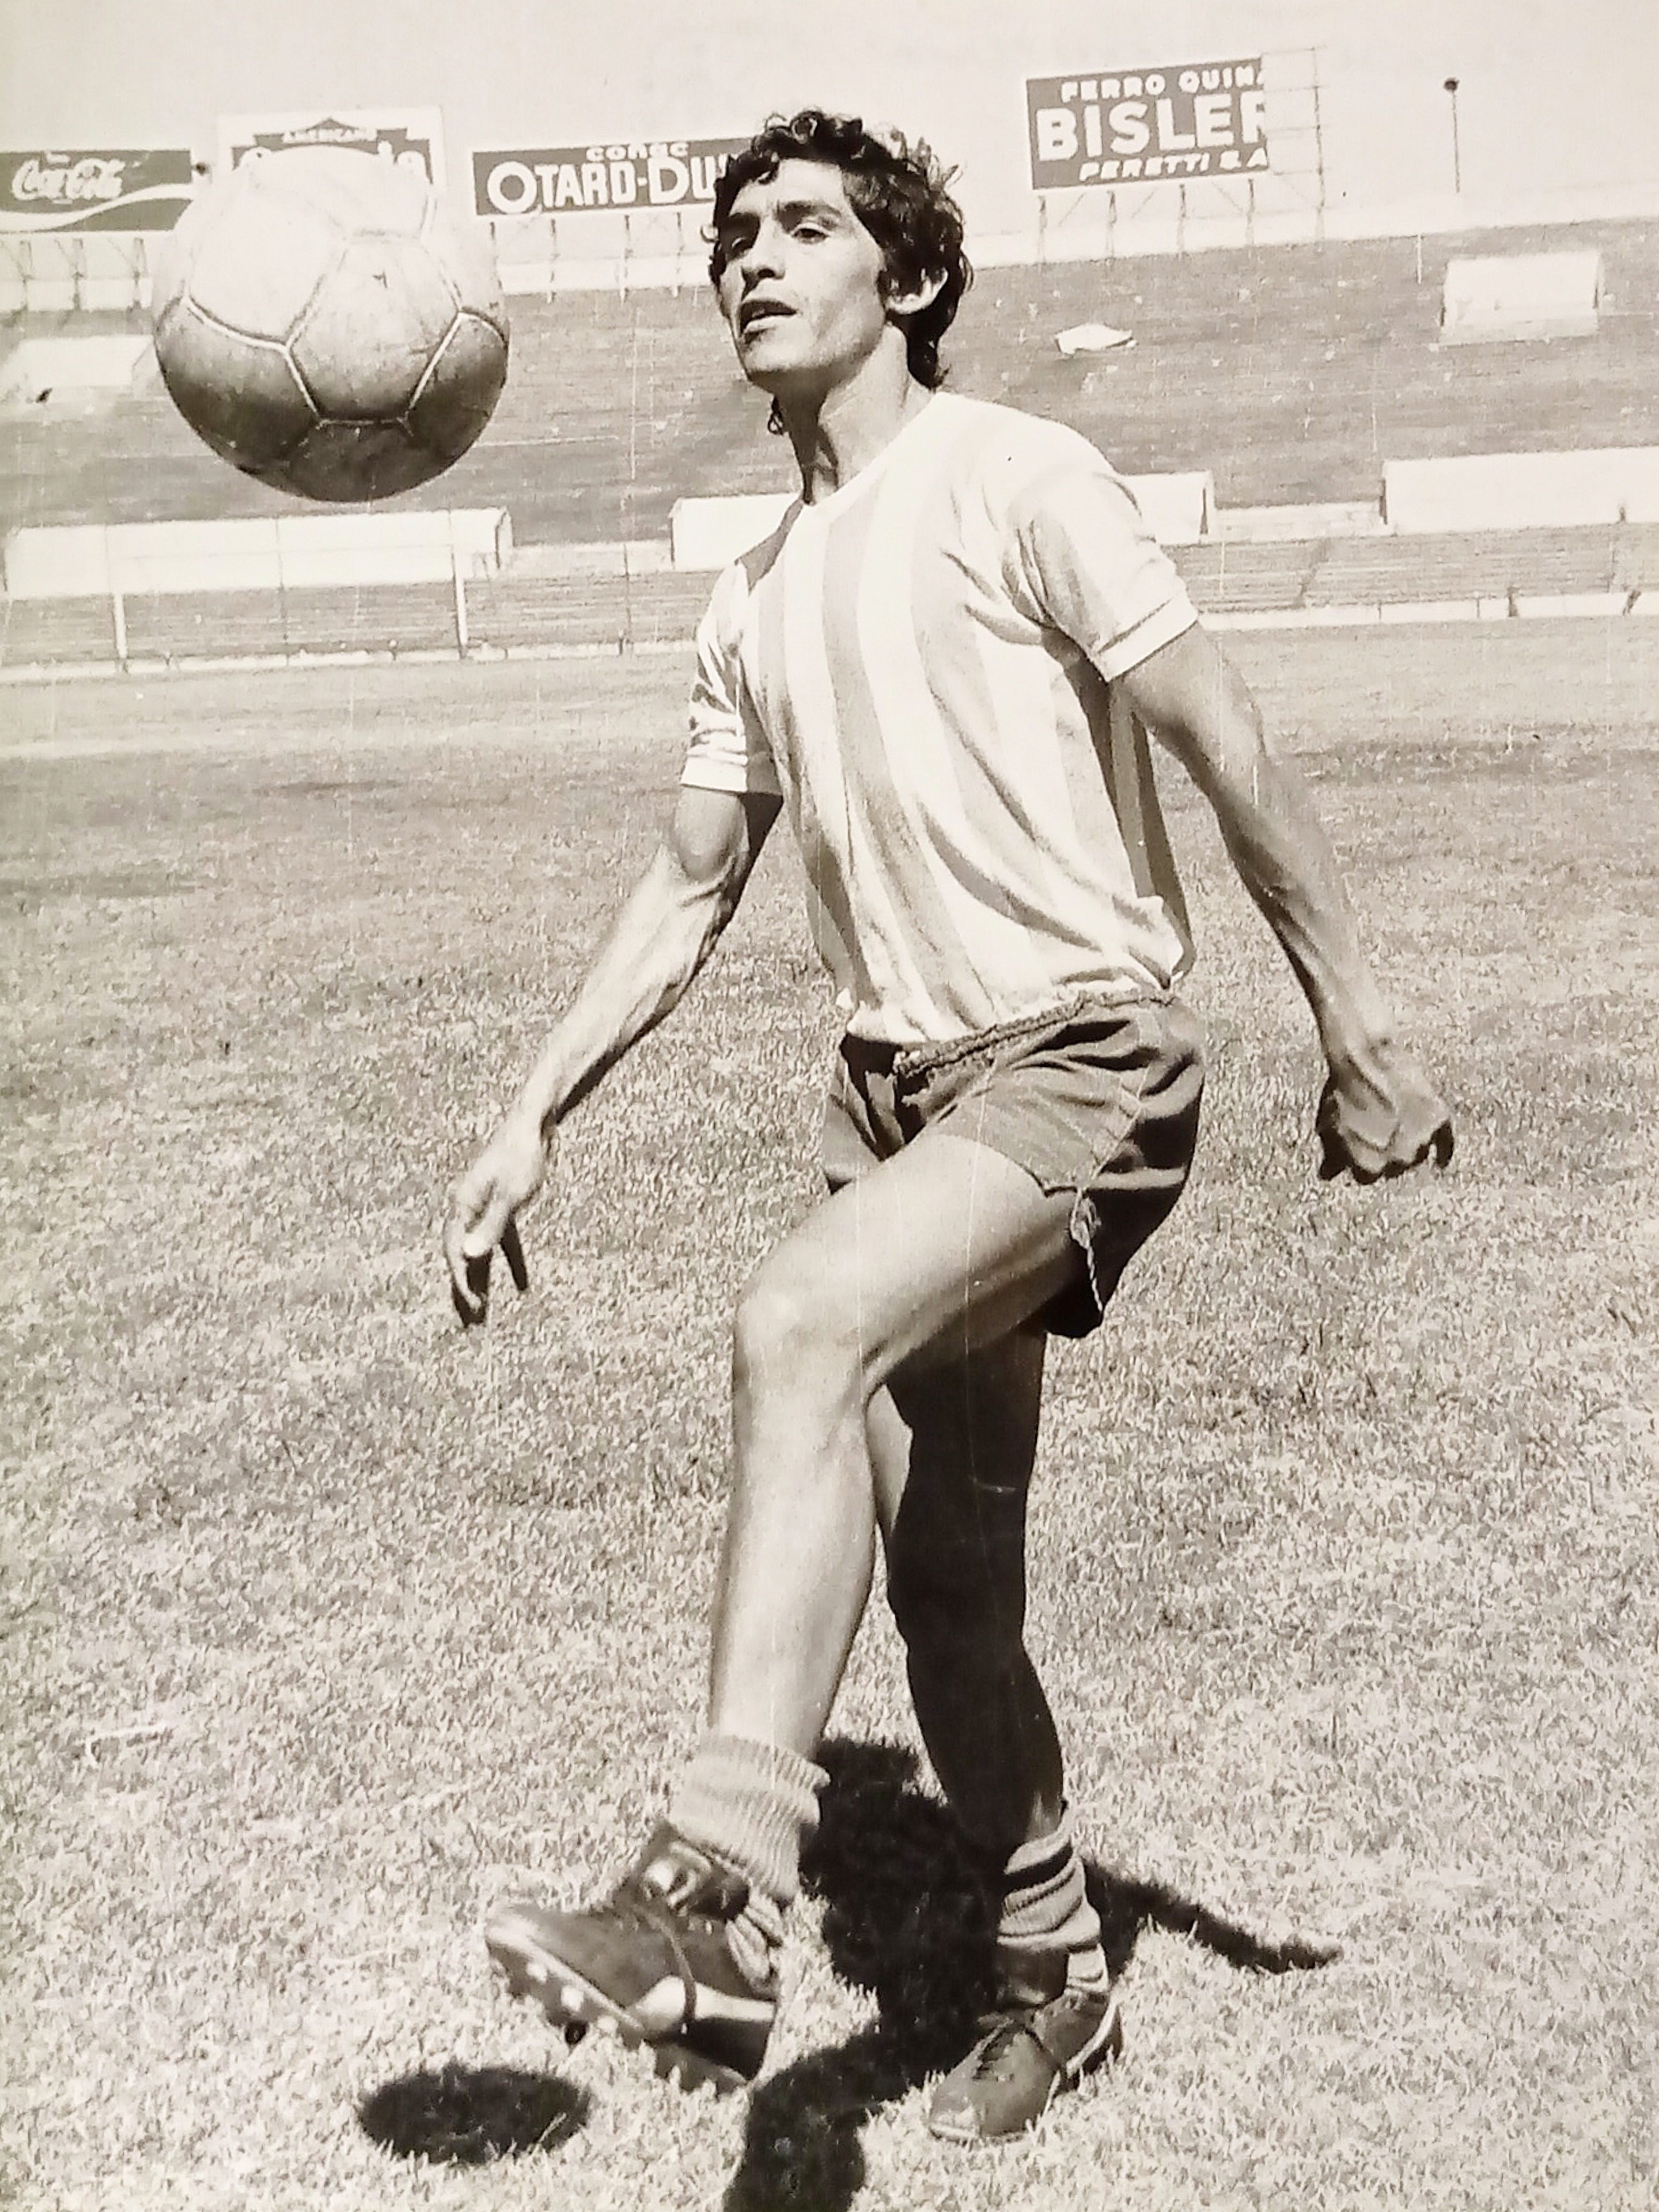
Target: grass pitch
[(321, 1622)]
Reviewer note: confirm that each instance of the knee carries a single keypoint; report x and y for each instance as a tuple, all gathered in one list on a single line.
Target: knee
[(967, 1602), (785, 1341)]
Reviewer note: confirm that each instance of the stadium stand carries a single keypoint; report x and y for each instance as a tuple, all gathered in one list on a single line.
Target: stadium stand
[(529, 613), (1291, 375), (1225, 578), (56, 632), (383, 619), (1506, 565), (1294, 373), (538, 614)]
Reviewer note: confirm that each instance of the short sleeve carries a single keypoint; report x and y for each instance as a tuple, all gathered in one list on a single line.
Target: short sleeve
[(1093, 566), (727, 750)]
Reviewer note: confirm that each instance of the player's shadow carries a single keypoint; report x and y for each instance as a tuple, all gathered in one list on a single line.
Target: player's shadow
[(472, 2115), (906, 1918)]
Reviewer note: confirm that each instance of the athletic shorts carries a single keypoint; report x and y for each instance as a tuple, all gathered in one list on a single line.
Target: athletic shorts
[(1099, 1100)]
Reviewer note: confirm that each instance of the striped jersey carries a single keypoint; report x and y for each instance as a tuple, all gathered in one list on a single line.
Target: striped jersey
[(921, 665)]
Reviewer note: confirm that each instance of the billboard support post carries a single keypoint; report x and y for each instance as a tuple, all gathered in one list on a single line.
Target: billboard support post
[(461, 638)]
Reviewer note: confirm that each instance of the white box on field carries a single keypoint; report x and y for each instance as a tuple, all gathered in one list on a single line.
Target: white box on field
[(1521, 296)]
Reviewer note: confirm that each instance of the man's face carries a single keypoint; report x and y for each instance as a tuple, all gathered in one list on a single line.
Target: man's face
[(801, 287)]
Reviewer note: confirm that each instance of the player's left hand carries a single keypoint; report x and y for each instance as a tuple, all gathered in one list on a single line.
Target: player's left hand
[(1379, 1117)]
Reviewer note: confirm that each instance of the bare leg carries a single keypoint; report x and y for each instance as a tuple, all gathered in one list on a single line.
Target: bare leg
[(952, 1448), (937, 1259), (946, 1249)]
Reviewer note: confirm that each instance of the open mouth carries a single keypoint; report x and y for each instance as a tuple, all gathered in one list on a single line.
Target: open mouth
[(757, 315)]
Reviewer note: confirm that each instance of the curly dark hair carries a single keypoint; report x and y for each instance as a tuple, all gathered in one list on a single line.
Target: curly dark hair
[(897, 189)]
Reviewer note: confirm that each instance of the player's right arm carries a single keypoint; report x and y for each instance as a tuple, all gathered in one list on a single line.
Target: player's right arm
[(656, 946)]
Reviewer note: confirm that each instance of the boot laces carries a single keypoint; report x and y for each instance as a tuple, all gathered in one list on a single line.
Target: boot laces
[(1001, 2031)]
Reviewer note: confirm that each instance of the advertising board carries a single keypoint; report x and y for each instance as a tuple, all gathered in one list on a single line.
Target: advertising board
[(120, 188), (1147, 125), (413, 136), (634, 173)]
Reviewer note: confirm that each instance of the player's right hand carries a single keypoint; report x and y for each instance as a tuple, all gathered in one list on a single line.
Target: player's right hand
[(484, 1204)]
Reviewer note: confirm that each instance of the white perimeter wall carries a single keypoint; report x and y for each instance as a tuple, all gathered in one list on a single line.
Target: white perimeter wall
[(291, 552), (1518, 492)]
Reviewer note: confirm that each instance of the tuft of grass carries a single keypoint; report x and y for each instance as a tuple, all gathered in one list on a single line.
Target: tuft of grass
[(321, 1622)]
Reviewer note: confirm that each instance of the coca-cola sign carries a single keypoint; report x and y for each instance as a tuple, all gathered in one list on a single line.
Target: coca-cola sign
[(94, 188)]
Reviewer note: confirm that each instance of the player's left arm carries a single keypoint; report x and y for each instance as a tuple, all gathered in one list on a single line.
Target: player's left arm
[(1378, 1115)]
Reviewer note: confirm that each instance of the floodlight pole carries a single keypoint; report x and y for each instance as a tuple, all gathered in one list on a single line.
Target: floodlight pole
[(1457, 163)]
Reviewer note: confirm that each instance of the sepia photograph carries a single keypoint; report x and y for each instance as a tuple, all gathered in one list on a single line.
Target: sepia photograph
[(829, 1174)]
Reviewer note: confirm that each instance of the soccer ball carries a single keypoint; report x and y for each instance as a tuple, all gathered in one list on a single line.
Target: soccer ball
[(324, 322)]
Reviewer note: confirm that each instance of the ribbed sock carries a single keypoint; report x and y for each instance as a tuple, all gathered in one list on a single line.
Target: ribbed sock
[(1087, 1969), (1045, 1908), (750, 1805)]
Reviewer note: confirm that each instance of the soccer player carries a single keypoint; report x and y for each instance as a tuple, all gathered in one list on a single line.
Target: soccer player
[(944, 664)]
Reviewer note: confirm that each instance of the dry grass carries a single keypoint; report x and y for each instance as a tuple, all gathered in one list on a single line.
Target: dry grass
[(320, 1622)]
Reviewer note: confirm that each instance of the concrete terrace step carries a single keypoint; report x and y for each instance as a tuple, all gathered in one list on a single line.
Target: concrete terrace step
[(524, 610), (1229, 577), (1291, 374), (381, 618), (56, 632)]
